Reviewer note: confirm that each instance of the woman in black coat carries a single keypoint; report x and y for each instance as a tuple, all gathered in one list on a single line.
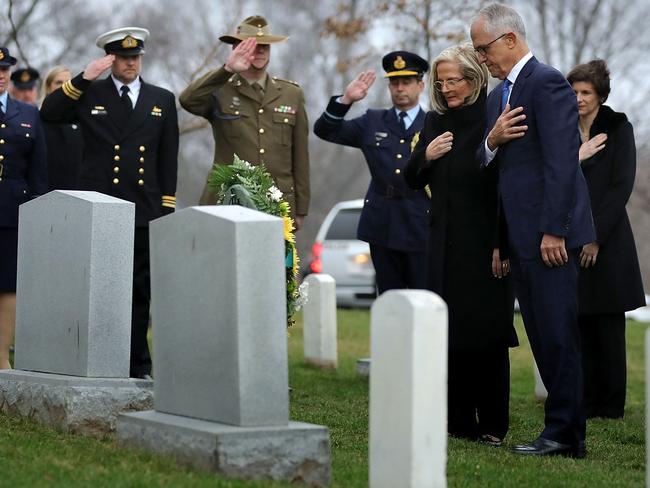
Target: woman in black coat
[(610, 279), (64, 141), (465, 268)]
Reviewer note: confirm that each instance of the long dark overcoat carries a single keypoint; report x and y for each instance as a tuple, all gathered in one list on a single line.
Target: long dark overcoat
[(463, 230), (614, 284)]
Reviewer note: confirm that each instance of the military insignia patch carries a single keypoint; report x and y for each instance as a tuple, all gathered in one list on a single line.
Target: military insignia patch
[(98, 110), (380, 135), (129, 42), (2, 55), (157, 111), (399, 63), (24, 77), (28, 126)]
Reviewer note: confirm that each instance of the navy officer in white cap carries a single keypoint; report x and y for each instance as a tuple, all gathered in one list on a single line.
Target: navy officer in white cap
[(130, 134)]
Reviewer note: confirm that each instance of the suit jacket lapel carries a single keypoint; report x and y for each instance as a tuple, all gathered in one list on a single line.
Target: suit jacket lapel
[(271, 93), (141, 111), (390, 121), (419, 121), (244, 88), (112, 103), (11, 110), (522, 78)]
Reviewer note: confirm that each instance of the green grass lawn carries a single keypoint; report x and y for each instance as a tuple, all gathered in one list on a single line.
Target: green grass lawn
[(31, 455)]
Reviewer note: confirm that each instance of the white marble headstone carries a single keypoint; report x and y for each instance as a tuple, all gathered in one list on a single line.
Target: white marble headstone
[(319, 321), (219, 316), (408, 390), (75, 268)]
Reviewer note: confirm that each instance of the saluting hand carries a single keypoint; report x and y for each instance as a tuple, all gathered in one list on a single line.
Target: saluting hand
[(96, 67), (592, 146), (440, 146), (358, 88), (242, 56), (505, 128)]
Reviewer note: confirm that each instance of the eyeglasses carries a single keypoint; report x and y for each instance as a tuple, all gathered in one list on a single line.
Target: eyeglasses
[(451, 83), (482, 50)]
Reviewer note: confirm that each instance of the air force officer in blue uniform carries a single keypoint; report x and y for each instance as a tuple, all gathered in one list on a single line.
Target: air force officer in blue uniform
[(394, 217), (532, 137), (23, 175)]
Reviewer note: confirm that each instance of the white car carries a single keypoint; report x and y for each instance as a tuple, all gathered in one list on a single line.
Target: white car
[(337, 252)]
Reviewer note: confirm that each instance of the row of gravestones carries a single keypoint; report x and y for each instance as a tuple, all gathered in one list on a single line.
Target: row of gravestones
[(220, 398)]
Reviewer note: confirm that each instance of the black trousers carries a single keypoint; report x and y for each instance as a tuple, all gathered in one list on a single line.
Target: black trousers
[(603, 364), (140, 356), (395, 270), (549, 307), (478, 397)]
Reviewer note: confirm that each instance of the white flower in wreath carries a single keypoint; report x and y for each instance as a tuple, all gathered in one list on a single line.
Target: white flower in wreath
[(303, 295), (274, 193)]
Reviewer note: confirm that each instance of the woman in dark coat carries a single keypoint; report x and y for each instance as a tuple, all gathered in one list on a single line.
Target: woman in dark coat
[(64, 141), (610, 279), (23, 175), (465, 268)]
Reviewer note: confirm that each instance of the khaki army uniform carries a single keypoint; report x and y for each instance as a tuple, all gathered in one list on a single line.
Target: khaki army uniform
[(266, 127)]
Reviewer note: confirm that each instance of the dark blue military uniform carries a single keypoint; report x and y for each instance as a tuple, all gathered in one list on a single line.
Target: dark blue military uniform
[(23, 176), (394, 217), (130, 154)]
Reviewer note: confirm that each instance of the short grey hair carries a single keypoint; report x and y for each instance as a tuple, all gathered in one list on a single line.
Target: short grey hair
[(501, 18), (473, 71)]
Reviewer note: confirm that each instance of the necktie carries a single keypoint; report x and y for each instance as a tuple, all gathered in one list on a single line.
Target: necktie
[(2, 108), (505, 91), (126, 99), (402, 122)]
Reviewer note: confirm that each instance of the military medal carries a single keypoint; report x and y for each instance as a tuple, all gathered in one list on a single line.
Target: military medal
[(285, 109)]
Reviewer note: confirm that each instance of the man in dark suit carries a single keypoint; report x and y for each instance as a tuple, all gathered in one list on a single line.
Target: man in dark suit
[(130, 134), (394, 220), (545, 202)]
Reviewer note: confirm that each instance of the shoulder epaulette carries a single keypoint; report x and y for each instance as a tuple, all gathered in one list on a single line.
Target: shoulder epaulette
[(295, 83)]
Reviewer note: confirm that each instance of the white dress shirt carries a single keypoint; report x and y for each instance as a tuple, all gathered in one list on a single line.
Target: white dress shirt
[(411, 114)]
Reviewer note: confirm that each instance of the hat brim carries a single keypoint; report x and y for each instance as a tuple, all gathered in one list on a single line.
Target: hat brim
[(393, 74), (8, 61), (235, 38), (25, 86), (125, 52)]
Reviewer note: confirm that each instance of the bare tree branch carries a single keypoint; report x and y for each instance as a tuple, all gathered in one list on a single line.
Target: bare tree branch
[(15, 27)]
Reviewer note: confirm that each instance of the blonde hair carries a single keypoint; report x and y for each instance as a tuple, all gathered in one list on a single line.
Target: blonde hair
[(49, 77), (473, 71)]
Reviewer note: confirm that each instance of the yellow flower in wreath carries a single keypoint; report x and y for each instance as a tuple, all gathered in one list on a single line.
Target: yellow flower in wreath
[(288, 229), (296, 260)]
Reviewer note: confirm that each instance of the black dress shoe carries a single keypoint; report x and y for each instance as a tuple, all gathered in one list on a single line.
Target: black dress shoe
[(547, 447), (490, 440)]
